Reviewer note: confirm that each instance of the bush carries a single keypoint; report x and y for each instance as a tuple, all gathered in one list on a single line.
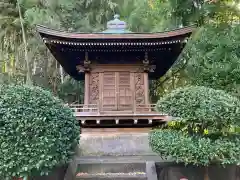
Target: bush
[(202, 132), (198, 105), (195, 150), (37, 132)]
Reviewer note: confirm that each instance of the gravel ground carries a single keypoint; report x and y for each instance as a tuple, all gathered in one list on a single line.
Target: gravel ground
[(116, 145)]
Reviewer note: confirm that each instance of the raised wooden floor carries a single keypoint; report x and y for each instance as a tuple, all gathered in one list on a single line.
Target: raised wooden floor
[(140, 116), (113, 131)]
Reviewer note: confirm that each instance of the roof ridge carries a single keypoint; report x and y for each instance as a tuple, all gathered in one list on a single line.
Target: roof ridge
[(41, 28)]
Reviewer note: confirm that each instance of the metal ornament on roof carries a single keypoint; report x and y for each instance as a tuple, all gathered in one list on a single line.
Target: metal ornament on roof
[(116, 23), (116, 26)]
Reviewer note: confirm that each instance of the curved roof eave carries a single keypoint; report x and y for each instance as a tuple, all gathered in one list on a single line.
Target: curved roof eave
[(45, 31)]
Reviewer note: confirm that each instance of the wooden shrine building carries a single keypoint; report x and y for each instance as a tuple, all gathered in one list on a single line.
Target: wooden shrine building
[(116, 65)]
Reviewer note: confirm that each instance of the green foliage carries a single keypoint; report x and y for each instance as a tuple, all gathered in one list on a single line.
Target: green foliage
[(194, 150), (213, 59), (15, 79), (218, 42), (204, 128), (37, 132), (200, 12), (202, 107), (71, 91)]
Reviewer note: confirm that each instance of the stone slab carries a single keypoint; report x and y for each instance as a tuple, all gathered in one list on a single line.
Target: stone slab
[(121, 159), (114, 145), (151, 170)]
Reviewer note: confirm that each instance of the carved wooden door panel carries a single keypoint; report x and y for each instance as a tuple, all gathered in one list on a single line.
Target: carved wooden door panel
[(109, 87), (124, 93), (139, 89), (94, 88), (116, 91)]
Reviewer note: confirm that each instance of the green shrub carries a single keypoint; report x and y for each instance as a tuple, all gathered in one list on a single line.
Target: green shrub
[(202, 107), (37, 132), (195, 150), (203, 131)]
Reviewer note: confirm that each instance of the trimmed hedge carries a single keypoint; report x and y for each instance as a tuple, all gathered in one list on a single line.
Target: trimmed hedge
[(202, 132), (195, 150), (37, 132), (201, 105)]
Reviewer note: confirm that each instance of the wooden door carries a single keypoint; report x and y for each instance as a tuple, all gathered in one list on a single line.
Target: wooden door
[(109, 87), (125, 95), (117, 93)]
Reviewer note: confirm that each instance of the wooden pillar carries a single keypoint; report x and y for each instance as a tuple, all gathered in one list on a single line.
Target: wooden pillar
[(132, 85), (86, 88), (146, 87), (100, 100), (87, 79), (145, 77)]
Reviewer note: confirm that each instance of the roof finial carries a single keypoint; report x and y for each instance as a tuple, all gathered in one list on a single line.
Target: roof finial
[(116, 16), (116, 26)]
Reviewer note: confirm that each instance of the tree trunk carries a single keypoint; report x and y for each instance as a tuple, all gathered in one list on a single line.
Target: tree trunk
[(28, 81), (45, 68), (61, 74), (55, 78)]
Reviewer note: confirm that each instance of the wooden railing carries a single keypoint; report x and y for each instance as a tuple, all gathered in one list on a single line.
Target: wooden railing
[(84, 108), (144, 108), (95, 108)]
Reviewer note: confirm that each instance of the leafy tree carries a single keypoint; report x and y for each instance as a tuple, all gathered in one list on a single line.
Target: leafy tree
[(42, 66), (205, 60), (37, 132), (213, 59), (10, 33), (200, 12), (28, 79)]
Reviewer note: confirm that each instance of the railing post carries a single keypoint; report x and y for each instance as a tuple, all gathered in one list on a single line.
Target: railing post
[(98, 107), (134, 108)]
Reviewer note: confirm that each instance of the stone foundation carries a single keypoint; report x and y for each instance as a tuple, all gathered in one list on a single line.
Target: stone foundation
[(115, 145)]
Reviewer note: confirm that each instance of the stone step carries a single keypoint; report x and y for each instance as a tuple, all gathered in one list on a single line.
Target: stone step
[(114, 145), (118, 170), (120, 159), (115, 176), (113, 156), (126, 168)]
